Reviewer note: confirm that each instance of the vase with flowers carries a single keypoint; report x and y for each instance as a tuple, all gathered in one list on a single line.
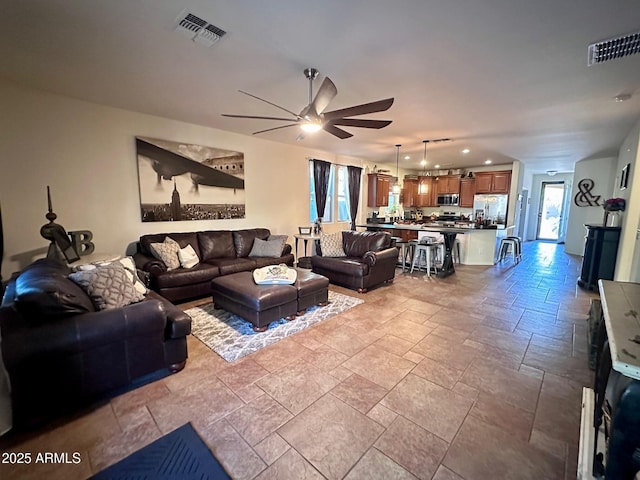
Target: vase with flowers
[(612, 209)]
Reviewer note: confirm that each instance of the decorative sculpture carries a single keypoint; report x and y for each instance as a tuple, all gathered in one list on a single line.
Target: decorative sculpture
[(56, 234)]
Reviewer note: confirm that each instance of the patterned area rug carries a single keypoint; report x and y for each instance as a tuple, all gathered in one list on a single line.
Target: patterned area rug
[(232, 337)]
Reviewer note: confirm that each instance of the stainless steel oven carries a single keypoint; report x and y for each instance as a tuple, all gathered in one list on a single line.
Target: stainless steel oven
[(448, 199)]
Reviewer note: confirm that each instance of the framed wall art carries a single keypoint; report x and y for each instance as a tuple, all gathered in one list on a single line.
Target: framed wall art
[(624, 176), (182, 181)]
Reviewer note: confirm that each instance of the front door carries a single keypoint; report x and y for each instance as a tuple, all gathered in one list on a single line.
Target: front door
[(550, 213)]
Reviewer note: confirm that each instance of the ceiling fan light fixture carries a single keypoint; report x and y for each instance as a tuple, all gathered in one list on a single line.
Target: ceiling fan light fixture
[(310, 126)]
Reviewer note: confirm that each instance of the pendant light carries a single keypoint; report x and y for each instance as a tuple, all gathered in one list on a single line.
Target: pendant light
[(423, 187), (396, 186)]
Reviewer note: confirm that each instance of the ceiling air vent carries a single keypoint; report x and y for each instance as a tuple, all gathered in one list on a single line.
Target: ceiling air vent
[(198, 30), (614, 48)]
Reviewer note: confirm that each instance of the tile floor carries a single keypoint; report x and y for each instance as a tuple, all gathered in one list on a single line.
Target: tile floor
[(475, 376)]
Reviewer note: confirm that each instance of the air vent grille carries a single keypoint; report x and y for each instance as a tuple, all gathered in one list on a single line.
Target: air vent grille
[(614, 48), (198, 30)]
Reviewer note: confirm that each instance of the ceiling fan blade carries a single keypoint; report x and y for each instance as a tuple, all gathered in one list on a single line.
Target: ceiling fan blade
[(326, 93), (275, 128), (260, 118), (362, 123), (379, 106), (270, 103), (338, 132)]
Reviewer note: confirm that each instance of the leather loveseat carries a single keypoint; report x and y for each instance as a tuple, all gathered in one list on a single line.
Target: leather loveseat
[(220, 252), (370, 259), (60, 353)]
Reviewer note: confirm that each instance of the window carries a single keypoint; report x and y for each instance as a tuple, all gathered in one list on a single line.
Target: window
[(343, 194), (337, 195)]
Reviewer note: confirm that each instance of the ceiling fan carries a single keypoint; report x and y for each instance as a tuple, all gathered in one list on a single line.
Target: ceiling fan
[(313, 117)]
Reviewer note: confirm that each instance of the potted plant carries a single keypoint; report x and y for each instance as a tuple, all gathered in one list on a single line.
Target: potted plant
[(612, 207)]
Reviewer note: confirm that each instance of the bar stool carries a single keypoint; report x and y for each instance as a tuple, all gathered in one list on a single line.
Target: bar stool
[(455, 251), (429, 250), (508, 244), (403, 250), (518, 245)]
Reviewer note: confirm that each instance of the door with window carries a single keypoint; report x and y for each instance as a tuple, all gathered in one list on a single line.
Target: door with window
[(550, 210)]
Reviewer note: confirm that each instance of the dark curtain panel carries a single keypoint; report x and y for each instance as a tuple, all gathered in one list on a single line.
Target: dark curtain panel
[(321, 171), (1, 249), (354, 192)]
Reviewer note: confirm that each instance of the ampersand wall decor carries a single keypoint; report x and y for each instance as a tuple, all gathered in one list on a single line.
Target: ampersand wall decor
[(584, 197)]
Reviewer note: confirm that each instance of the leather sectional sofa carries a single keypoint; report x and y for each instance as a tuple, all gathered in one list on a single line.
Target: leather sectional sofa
[(220, 252), (60, 353), (370, 259)]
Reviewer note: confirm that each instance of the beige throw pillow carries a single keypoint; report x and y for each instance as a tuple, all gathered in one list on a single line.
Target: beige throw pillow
[(331, 245), (167, 252), (188, 257)]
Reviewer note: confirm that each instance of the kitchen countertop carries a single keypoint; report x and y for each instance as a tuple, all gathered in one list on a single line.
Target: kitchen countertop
[(428, 227)]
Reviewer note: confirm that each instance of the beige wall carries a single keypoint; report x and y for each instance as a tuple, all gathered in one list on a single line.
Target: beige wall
[(86, 153)]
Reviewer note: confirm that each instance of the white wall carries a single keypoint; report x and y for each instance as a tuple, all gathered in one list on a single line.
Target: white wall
[(86, 153), (627, 268), (602, 172)]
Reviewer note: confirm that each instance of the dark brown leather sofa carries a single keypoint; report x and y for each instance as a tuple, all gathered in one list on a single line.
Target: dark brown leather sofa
[(60, 353), (370, 260), (221, 252)]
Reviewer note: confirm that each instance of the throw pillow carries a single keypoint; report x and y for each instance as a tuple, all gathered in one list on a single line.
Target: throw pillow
[(108, 286), (267, 248), (188, 257), (130, 267), (167, 252), (331, 245)]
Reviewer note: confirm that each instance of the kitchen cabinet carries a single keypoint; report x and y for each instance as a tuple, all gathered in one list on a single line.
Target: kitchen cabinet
[(410, 192), (378, 195), (448, 184), (493, 182), (426, 194), (467, 191)]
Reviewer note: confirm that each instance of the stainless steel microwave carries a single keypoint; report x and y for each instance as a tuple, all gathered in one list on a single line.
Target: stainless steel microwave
[(448, 199)]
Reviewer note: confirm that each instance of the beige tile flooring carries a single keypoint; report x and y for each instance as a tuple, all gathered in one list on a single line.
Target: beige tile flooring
[(475, 376)]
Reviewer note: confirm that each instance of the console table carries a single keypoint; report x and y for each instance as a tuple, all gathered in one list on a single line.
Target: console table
[(600, 252), (617, 386)]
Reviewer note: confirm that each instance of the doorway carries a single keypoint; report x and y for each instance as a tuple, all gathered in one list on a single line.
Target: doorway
[(550, 212)]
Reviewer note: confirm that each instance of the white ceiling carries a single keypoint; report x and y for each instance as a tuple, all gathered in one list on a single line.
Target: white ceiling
[(506, 78)]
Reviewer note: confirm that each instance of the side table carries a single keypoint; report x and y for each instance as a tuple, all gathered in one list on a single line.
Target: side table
[(305, 239)]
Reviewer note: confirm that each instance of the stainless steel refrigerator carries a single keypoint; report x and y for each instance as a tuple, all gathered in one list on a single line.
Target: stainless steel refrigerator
[(491, 207)]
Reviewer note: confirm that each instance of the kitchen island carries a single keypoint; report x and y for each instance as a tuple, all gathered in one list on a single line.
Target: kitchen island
[(478, 246)]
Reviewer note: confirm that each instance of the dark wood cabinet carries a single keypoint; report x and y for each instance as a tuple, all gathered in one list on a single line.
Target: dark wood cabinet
[(448, 184), (426, 192), (378, 195), (493, 182), (410, 192), (600, 253), (467, 191)]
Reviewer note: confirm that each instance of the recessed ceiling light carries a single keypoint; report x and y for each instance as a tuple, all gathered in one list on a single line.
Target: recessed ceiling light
[(436, 166), (407, 157), (465, 151), (423, 162), (488, 161)]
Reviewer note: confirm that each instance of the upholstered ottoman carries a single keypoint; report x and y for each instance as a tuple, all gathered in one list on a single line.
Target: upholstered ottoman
[(313, 289), (259, 304)]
